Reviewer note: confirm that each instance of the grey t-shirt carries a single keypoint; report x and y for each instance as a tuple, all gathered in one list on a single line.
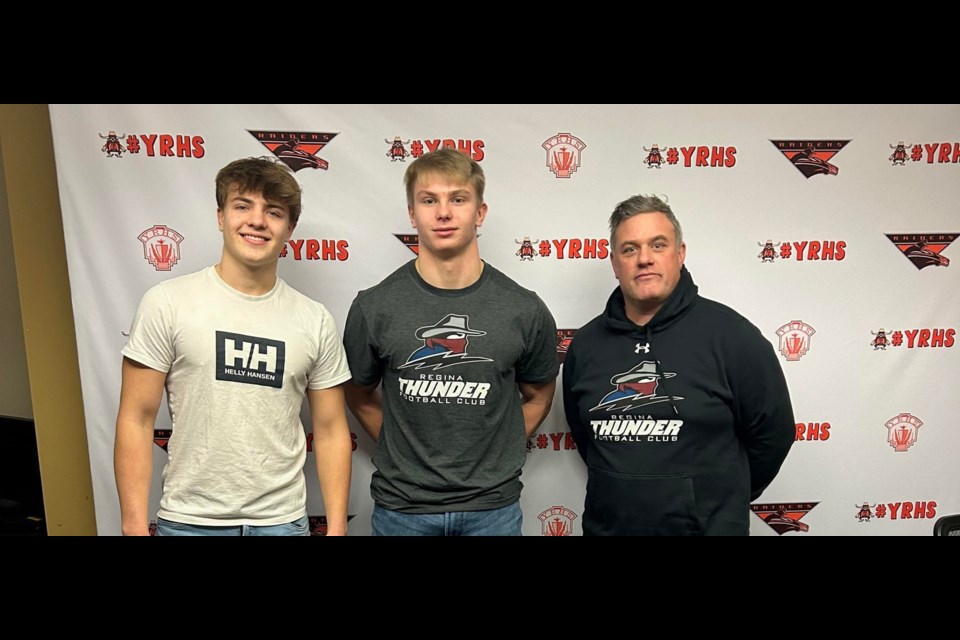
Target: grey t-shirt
[(453, 434)]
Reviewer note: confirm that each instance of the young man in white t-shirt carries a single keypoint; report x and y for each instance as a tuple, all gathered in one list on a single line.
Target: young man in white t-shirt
[(237, 350)]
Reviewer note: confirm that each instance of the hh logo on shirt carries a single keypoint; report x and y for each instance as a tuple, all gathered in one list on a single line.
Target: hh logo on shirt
[(250, 359)]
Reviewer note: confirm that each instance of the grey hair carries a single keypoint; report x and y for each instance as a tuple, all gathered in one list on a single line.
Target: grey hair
[(643, 204)]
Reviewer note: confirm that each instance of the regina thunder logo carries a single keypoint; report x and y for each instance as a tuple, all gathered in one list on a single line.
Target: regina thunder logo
[(811, 157), (296, 149), (557, 521), (563, 154), (635, 388), (784, 517), (923, 249), (795, 339), (444, 344), (902, 431), (161, 247)]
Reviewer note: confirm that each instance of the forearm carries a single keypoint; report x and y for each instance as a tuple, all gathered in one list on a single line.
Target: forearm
[(333, 450), (366, 405), (133, 467), (534, 413)]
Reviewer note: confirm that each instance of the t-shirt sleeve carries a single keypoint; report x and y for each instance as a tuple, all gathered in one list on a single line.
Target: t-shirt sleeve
[(538, 363), (365, 364), (331, 367), (151, 335)]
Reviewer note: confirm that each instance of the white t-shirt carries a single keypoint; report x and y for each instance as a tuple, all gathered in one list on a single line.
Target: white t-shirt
[(238, 367)]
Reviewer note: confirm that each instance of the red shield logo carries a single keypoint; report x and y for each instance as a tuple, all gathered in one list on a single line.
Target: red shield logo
[(557, 521), (795, 339), (161, 247), (902, 431), (563, 154)]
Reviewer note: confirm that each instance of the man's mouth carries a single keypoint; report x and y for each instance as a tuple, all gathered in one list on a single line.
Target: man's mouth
[(252, 239)]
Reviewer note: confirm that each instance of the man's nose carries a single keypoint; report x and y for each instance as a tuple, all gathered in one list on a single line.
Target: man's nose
[(257, 217), (443, 210)]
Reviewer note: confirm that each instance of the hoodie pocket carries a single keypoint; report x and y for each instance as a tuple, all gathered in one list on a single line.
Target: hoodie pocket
[(621, 504)]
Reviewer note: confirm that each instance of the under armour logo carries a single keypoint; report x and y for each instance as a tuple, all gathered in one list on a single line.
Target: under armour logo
[(642, 347)]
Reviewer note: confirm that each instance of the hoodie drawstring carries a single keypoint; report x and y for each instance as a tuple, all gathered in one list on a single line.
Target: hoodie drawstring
[(656, 362)]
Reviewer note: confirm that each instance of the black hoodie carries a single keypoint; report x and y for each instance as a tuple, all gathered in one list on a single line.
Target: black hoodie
[(682, 422)]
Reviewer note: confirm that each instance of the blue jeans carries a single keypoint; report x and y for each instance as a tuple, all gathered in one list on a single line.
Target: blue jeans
[(505, 521), (299, 527)]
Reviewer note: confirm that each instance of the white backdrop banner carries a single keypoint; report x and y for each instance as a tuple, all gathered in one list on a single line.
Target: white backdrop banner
[(830, 227)]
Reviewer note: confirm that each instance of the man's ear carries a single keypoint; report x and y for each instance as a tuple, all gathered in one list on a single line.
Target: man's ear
[(482, 214)]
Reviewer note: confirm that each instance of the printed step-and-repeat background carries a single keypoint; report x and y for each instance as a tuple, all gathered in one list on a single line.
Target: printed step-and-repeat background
[(831, 227)]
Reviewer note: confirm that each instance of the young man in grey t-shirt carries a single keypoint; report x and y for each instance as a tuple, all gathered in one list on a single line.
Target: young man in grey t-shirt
[(467, 361)]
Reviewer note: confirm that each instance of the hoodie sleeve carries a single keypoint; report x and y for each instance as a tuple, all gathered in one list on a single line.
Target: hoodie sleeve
[(571, 409), (763, 412)]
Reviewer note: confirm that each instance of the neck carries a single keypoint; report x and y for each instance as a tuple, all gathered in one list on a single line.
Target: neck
[(253, 282), (639, 314), (456, 272)]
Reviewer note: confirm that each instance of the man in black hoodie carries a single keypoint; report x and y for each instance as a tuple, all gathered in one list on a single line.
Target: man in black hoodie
[(677, 403)]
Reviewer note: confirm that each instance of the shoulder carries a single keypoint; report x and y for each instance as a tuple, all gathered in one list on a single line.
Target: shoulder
[(186, 285), (586, 335), (726, 317), (395, 283), (513, 293), (298, 302), (733, 328)]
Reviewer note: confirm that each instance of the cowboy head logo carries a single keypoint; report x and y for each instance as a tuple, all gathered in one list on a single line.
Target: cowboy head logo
[(635, 388), (444, 344)]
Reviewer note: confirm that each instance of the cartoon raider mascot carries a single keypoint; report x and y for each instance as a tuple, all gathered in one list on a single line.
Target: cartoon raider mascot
[(448, 338), (636, 387)]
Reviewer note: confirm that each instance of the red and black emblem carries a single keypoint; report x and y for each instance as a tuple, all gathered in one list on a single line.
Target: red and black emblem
[(564, 337), (410, 241), (923, 249), (784, 516), (811, 157), (296, 149), (161, 437), (318, 524)]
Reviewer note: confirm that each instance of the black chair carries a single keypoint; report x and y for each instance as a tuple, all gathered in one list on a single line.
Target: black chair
[(947, 526)]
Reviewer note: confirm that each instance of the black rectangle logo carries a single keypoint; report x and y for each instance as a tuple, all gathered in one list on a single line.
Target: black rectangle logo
[(250, 359)]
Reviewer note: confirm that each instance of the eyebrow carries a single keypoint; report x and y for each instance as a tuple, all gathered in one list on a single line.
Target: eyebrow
[(269, 205), (454, 192), (653, 239)]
